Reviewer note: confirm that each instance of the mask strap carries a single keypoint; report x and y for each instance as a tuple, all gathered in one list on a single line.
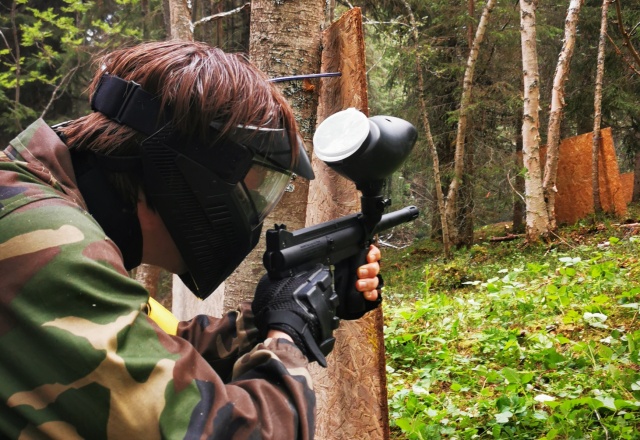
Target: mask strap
[(127, 103)]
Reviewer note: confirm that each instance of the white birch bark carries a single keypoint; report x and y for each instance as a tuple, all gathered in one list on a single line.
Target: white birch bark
[(597, 109), (557, 107), (465, 101), (537, 220)]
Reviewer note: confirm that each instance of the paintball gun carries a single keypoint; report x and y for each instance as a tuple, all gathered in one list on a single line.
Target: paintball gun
[(366, 151)]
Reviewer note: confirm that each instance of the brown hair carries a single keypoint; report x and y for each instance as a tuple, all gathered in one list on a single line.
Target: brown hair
[(199, 83)]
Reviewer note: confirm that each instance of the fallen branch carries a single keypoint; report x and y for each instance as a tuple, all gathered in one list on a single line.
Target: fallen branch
[(629, 225), (508, 237)]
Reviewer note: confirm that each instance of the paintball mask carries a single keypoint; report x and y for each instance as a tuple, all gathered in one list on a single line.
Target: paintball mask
[(212, 195)]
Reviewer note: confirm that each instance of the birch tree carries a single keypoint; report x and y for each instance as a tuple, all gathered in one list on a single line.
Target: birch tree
[(465, 101), (446, 243), (556, 111), (537, 218), (597, 109)]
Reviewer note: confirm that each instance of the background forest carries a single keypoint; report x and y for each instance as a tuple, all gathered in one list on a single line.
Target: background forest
[(497, 341), (47, 47)]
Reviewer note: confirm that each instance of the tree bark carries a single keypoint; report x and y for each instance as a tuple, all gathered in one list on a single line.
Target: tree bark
[(467, 86), (537, 219), (636, 179), (180, 21), (284, 40), (149, 277), (556, 113), (597, 110), (519, 207), (351, 392), (424, 115)]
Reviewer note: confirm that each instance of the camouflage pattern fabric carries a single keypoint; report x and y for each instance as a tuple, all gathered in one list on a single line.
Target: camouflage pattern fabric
[(80, 358)]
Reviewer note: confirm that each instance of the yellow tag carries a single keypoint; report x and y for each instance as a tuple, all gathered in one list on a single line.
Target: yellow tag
[(163, 317)]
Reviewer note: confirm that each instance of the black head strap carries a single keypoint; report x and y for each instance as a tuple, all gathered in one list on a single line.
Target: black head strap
[(127, 103)]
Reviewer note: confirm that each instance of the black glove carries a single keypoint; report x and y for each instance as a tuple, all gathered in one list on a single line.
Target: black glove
[(302, 306), (353, 305)]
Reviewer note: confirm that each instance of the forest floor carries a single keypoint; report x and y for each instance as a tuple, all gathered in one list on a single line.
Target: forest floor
[(514, 340)]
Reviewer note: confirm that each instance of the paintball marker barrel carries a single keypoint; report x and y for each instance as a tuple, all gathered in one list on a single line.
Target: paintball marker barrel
[(327, 243)]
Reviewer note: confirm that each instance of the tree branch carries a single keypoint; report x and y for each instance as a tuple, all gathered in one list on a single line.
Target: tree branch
[(54, 95), (624, 58), (625, 35), (221, 15)]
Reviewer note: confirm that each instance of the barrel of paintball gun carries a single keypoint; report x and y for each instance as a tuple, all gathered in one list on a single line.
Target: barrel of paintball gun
[(326, 243)]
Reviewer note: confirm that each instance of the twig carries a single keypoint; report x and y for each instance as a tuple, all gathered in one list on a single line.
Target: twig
[(387, 244), (8, 47), (624, 58), (54, 95), (562, 240), (384, 243), (606, 431), (625, 35), (514, 190), (221, 15), (399, 23)]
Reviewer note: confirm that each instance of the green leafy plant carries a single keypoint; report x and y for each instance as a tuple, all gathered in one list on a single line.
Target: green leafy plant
[(542, 344)]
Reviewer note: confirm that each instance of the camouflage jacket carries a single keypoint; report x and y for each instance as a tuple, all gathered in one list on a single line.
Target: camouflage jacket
[(80, 358)]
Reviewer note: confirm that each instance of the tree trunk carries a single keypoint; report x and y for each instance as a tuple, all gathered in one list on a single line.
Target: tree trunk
[(180, 21), (451, 205), (284, 40), (518, 204), (597, 104), (466, 203), (537, 219), (144, 7), (149, 277), (556, 113), (636, 179), (446, 243), (351, 392)]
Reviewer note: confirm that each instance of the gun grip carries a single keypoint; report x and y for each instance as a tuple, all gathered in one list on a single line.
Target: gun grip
[(352, 305)]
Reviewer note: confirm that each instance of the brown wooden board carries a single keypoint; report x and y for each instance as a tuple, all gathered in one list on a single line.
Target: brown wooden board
[(626, 180), (574, 199), (351, 392)]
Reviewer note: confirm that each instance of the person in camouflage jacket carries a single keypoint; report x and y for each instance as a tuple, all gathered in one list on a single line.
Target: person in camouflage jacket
[(81, 358)]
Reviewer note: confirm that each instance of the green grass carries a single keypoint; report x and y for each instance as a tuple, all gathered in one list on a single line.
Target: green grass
[(514, 341)]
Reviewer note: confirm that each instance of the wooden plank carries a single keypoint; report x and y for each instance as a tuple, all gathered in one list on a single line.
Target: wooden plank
[(351, 392)]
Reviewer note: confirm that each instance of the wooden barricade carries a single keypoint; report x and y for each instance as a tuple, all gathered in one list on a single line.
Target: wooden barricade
[(351, 392)]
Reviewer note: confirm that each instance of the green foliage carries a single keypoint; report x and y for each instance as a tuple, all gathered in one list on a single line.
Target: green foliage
[(495, 116), (47, 49), (522, 343)]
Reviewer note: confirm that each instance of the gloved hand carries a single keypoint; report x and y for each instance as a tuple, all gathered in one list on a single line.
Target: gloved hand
[(302, 306)]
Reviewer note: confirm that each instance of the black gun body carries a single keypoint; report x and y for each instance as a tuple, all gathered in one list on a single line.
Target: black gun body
[(327, 243)]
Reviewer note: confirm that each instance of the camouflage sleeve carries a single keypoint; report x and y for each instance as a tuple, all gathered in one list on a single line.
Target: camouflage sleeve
[(82, 360), (220, 341)]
